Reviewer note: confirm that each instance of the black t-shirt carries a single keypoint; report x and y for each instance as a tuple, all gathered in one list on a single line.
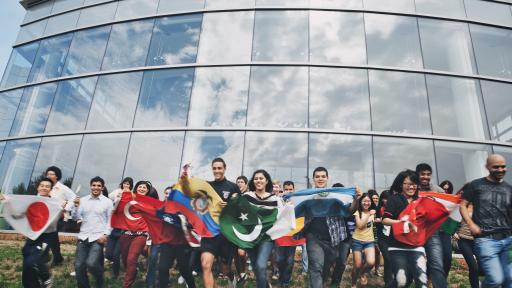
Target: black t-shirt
[(318, 227), (225, 188), (492, 205), (395, 205)]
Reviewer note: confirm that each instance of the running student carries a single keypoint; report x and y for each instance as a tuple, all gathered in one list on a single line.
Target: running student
[(363, 241)]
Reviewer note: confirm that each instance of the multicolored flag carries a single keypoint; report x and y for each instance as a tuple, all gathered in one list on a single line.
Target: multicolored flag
[(322, 202), (31, 215), (452, 204)]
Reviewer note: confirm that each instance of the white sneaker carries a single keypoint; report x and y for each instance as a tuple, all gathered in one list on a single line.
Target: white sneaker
[(72, 274), (194, 273), (181, 280)]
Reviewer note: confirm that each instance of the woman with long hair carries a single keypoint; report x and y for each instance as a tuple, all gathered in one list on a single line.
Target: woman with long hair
[(375, 199), (383, 236)]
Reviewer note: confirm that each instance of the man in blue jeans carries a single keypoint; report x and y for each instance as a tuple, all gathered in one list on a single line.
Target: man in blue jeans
[(491, 223)]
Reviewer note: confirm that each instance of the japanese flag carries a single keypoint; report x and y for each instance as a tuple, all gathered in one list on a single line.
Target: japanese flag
[(30, 215)]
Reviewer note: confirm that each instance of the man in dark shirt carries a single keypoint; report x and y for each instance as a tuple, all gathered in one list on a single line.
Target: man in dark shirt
[(491, 223), (218, 246)]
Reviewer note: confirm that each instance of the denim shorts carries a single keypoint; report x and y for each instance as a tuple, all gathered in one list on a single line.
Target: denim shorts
[(358, 245)]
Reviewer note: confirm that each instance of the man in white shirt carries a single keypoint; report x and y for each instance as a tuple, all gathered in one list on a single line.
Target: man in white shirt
[(94, 212)]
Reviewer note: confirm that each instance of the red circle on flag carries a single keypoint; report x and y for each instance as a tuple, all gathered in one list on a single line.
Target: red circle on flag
[(37, 215)]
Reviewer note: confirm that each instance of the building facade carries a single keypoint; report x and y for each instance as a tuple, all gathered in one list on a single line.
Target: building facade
[(365, 88)]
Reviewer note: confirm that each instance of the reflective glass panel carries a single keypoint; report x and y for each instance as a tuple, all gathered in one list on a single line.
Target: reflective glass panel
[(164, 98), (219, 98), (86, 51), (393, 155), (71, 105), (65, 5), (202, 147), (90, 2), (38, 11), (353, 164), (128, 45), (179, 5), (229, 4), (129, 9), (337, 37), (278, 97), (2, 146), (345, 4), (291, 3), (409, 111), (114, 101), (460, 162), (61, 23), (97, 14), (9, 101), (31, 31), (101, 155), (282, 155), (290, 27), (164, 149), (19, 65), (50, 58), (505, 152), (499, 112), (392, 40), (338, 98), (492, 49), (226, 37), (403, 6), (33, 110), (456, 107), (17, 164), (446, 46), (446, 8), (175, 40), (487, 11)]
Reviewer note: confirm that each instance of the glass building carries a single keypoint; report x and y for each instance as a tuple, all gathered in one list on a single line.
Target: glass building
[(365, 88)]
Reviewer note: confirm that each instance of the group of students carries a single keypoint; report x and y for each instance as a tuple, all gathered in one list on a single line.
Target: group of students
[(485, 235)]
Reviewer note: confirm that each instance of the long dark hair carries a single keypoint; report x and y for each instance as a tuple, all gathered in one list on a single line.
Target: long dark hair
[(383, 196), (127, 179), (450, 186), (398, 183), (268, 188), (360, 204), (148, 185)]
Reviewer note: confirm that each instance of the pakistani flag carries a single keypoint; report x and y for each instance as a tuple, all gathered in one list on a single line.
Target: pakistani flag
[(246, 221)]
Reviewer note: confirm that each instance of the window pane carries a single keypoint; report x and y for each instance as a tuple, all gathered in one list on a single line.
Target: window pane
[(114, 101), (337, 37), (229, 4), (402, 6), (128, 45), (505, 152), (164, 150), (97, 14), (487, 11), (90, 2), (287, 86), (38, 11), (175, 40), (31, 31), (50, 58), (492, 50), (179, 5), (86, 51), (61, 23), (202, 147), (226, 37), (9, 101), (101, 155), (64, 5), (71, 105), (2, 146), (164, 98), (353, 164), (392, 40), (219, 98), (455, 106), (282, 155), (346, 4), (290, 3), (409, 113), (460, 162), (57, 151), (19, 65), (446, 46), (446, 8), (17, 164), (33, 110), (290, 27), (391, 158), (129, 9), (498, 109), (338, 98)]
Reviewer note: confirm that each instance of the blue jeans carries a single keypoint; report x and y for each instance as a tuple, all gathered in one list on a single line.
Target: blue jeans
[(259, 256), (285, 258), (152, 265), (341, 262), (446, 243), (406, 264), (304, 259), (436, 272), (89, 258), (496, 259), (320, 254), (113, 251)]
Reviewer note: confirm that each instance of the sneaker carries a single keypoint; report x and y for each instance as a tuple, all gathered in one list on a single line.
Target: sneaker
[(181, 280), (275, 276), (72, 274), (194, 273)]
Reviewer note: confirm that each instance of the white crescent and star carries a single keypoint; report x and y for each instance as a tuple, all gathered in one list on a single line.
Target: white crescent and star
[(127, 210), (251, 236)]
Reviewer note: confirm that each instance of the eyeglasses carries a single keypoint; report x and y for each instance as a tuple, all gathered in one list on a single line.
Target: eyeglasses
[(410, 184)]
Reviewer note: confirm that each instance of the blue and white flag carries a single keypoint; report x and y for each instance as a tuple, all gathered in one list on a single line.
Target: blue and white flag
[(322, 202)]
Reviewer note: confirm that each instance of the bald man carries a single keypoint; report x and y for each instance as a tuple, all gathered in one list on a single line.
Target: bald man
[(491, 222)]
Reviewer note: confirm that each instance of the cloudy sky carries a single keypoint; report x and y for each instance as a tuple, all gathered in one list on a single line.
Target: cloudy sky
[(11, 16)]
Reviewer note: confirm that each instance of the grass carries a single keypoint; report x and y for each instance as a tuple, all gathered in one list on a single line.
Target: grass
[(11, 264)]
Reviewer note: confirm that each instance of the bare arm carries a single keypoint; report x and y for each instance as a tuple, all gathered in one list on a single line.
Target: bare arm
[(353, 206), (464, 211)]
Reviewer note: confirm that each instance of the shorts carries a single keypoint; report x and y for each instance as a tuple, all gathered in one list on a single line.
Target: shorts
[(220, 247), (358, 245)]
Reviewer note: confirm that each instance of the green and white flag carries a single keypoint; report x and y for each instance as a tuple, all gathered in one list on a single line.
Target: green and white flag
[(247, 221)]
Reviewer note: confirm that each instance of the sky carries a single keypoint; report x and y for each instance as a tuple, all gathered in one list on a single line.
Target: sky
[(11, 15)]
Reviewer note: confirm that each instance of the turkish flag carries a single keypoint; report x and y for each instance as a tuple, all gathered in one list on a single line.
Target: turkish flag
[(126, 217), (31, 215)]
